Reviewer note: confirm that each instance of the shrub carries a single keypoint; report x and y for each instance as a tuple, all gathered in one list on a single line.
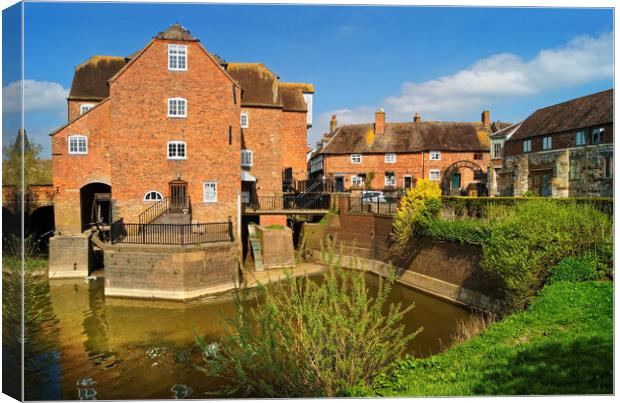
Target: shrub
[(309, 339), (590, 266), (419, 205)]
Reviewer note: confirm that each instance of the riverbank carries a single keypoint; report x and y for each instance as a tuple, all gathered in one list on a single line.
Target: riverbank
[(562, 344)]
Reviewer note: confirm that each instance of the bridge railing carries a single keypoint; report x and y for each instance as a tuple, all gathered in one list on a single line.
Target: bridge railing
[(308, 201), (171, 234)]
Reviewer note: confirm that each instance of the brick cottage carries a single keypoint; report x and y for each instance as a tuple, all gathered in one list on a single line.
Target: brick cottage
[(173, 120), (395, 155)]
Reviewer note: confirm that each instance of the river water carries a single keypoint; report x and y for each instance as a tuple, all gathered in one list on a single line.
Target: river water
[(85, 346)]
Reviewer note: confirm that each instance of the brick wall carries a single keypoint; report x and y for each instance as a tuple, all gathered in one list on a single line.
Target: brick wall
[(294, 143)]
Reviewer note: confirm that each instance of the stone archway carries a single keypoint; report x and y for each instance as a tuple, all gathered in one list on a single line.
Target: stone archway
[(479, 176), (87, 203)]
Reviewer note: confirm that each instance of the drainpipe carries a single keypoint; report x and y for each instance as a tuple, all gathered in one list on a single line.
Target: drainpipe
[(239, 217)]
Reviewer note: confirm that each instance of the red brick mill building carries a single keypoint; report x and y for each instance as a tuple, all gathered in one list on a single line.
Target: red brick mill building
[(396, 155), (174, 121)]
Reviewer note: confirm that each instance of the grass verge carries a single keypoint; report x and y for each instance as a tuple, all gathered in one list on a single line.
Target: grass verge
[(562, 344)]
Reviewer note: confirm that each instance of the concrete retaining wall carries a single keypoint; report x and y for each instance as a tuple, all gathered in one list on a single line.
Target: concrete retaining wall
[(171, 272), (277, 247), (69, 256)]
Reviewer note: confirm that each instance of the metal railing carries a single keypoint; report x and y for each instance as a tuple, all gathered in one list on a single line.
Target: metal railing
[(308, 201), (171, 234), (164, 206), (388, 206)]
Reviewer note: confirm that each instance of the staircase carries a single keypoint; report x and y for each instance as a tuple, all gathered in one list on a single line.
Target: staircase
[(256, 248), (167, 211)]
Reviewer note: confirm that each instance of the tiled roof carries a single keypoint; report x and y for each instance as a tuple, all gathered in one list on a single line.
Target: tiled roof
[(590, 110), (292, 97), (259, 84), (409, 137), (506, 132), (90, 78)]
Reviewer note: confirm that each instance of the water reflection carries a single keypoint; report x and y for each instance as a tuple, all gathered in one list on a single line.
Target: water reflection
[(91, 347)]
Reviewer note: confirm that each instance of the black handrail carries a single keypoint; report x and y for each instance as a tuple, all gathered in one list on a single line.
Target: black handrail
[(155, 211), (171, 234), (310, 201)]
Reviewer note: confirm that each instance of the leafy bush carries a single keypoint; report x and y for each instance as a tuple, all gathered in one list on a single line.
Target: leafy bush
[(309, 339), (590, 266), (419, 205), (462, 231)]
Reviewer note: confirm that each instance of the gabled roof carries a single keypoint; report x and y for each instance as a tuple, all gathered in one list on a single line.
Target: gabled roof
[(578, 113), (259, 84), (96, 107), (90, 78), (176, 32), (292, 97), (506, 132), (408, 137), (499, 125)]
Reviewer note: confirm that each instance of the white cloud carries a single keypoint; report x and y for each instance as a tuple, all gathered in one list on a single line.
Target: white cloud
[(39, 96), (503, 76)]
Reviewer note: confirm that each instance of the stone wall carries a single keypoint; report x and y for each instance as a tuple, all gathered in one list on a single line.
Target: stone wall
[(447, 270), (171, 272), (69, 256), (277, 247)]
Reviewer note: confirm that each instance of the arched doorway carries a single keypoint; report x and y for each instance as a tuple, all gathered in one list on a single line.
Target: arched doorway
[(92, 212), (40, 224), (454, 183)]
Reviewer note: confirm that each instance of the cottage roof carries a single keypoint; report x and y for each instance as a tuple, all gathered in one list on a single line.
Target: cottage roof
[(586, 111), (259, 84), (409, 137), (90, 78), (292, 97), (506, 132)]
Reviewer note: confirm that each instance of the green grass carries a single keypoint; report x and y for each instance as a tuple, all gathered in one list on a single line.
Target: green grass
[(30, 264), (562, 344)]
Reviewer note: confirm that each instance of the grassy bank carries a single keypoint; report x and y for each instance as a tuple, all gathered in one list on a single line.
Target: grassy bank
[(562, 344)]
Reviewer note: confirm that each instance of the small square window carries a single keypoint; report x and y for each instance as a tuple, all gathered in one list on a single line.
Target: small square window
[(78, 144), (390, 180), (176, 150), (527, 146), (434, 174), (245, 120), (580, 138), (598, 135), (177, 57), (435, 155), (356, 158), (390, 158), (477, 156), (246, 158), (357, 180), (177, 107), (210, 192), (547, 143), (85, 108)]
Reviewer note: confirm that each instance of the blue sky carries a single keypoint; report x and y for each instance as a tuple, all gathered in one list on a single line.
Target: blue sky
[(447, 63)]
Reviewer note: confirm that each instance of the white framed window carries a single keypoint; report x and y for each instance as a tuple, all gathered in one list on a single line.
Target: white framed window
[(153, 195), (245, 120), (356, 158), (177, 107), (85, 108), (177, 150), (497, 150), (209, 194), (580, 138), (78, 144), (527, 146), (246, 158), (434, 174), (390, 180), (357, 180), (390, 158), (598, 135), (177, 57), (435, 155), (547, 143)]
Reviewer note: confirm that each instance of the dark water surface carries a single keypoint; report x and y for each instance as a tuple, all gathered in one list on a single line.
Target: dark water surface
[(86, 346)]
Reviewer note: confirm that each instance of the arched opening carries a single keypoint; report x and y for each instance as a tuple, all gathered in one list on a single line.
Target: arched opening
[(95, 204), (40, 224), (464, 178)]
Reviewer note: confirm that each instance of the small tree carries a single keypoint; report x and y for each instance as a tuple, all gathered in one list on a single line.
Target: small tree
[(309, 339), (420, 203), (368, 180)]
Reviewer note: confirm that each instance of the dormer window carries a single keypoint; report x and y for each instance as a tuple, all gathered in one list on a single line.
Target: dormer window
[(85, 108), (177, 107), (177, 57)]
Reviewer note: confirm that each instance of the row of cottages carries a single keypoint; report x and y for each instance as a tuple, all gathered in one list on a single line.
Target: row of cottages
[(562, 150), (175, 122), (393, 156)]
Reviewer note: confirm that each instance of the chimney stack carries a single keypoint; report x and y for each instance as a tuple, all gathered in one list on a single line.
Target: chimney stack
[(417, 117), (333, 124), (380, 121), (486, 118)]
